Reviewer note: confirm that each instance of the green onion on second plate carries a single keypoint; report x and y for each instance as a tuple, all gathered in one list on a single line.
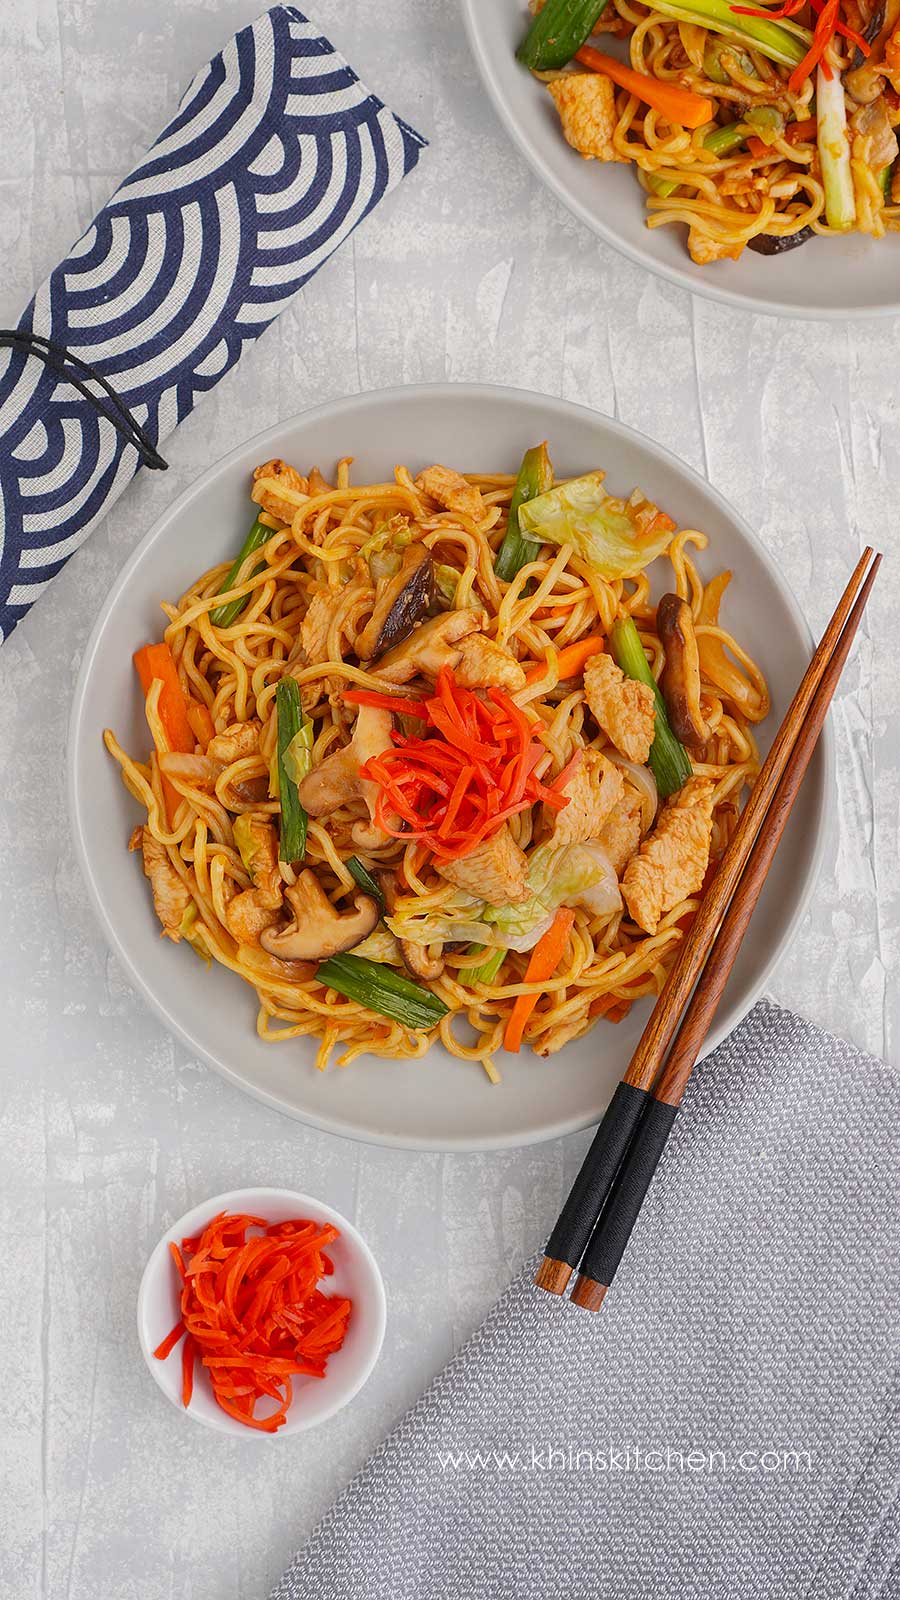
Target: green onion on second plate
[(364, 878), (224, 616), (292, 831), (383, 990), (487, 971), (535, 477)]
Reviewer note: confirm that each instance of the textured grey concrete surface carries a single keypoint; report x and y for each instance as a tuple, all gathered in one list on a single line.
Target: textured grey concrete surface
[(107, 1128)]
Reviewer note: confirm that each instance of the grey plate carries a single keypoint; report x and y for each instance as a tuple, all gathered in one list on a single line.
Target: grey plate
[(436, 1103), (852, 277)]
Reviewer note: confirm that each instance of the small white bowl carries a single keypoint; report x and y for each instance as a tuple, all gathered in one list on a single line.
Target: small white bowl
[(355, 1274)]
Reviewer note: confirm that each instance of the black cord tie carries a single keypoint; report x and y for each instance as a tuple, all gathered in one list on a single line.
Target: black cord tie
[(68, 367)]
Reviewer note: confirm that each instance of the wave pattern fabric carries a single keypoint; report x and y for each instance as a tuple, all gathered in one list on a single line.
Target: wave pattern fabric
[(276, 153), (728, 1428)]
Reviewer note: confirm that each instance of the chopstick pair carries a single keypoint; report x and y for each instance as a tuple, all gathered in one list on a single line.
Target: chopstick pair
[(596, 1221)]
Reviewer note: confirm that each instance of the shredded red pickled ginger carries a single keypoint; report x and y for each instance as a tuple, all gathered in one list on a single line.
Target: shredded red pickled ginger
[(253, 1314), (458, 782)]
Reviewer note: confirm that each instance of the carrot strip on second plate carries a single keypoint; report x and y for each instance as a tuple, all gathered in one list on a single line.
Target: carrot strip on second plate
[(570, 661), (679, 105), (545, 958), (201, 723), (156, 661)]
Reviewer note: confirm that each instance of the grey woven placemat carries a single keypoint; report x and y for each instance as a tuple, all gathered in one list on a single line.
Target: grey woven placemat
[(757, 1310)]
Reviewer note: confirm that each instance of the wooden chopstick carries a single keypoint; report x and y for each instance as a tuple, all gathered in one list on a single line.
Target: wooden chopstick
[(611, 1235), (569, 1238)]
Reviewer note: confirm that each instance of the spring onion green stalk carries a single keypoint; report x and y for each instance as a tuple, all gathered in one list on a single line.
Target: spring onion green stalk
[(661, 186), (488, 969), (722, 141), (834, 148), (289, 712), (364, 878), (884, 180), (535, 477), (382, 990), (557, 32), (224, 616), (669, 761), (788, 46)]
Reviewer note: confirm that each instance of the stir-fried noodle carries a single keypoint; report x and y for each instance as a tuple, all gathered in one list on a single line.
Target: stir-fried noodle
[(308, 594)]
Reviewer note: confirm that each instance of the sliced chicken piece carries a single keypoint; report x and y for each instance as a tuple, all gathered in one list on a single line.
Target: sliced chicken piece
[(452, 491), (316, 625), (171, 897), (483, 663), (594, 789), (673, 859), (238, 741), (317, 483), (249, 914), (258, 843), (620, 836), (892, 51), (496, 871), (623, 708), (703, 250), (267, 495), (434, 645), (586, 102)]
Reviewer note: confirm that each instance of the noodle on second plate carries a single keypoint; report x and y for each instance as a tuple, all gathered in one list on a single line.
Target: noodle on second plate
[(756, 125), (304, 599)]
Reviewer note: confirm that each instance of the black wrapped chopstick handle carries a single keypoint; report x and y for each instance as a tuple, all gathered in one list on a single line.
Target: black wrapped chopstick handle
[(611, 1235), (598, 1170)]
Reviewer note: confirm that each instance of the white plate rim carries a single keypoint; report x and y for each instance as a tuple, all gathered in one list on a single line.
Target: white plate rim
[(329, 413), (753, 305)]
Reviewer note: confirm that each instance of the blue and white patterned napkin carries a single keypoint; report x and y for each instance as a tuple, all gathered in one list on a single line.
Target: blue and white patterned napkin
[(276, 153)]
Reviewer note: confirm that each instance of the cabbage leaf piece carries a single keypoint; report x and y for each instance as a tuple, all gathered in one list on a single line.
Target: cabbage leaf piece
[(618, 537)]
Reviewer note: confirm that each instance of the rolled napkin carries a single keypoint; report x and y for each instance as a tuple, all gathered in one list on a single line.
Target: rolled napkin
[(728, 1425), (276, 153)]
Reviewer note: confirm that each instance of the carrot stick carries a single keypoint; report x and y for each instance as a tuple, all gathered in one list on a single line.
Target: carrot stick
[(679, 105), (545, 958), (201, 723), (570, 660), (801, 132), (610, 1007), (156, 661)]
